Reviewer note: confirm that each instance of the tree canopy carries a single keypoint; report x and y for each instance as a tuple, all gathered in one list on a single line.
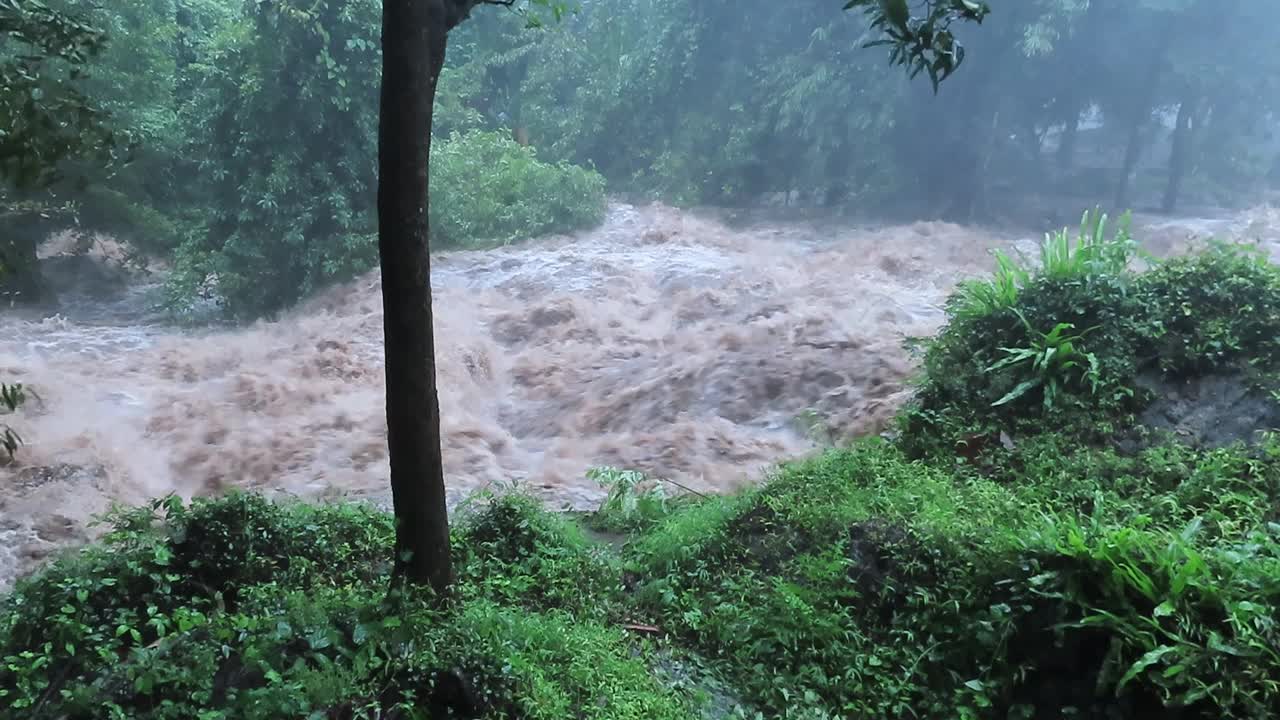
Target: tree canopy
[(656, 98), (45, 117)]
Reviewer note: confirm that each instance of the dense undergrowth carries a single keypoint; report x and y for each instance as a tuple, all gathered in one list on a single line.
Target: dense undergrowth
[(242, 608), (1023, 549), (1083, 342)]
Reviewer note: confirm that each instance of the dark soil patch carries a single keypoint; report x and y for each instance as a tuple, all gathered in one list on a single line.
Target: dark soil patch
[(1212, 411)]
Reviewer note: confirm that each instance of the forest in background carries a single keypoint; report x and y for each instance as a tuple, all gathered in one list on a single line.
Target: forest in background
[(255, 149)]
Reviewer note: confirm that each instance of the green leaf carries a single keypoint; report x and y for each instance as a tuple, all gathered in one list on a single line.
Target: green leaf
[(1147, 660), (1018, 391)]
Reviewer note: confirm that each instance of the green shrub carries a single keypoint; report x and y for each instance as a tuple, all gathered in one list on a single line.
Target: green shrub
[(487, 188), (517, 552), (835, 586), (1065, 344), (239, 607), (860, 584), (1212, 310)]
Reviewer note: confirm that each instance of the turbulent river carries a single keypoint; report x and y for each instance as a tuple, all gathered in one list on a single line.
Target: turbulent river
[(663, 341)]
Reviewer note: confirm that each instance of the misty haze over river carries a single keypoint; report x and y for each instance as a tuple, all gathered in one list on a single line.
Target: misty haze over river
[(665, 340)]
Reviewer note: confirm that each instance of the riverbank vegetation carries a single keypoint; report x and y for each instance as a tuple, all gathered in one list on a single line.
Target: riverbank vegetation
[(1046, 536)]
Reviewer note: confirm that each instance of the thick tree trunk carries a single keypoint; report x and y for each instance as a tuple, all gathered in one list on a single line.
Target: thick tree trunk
[(1179, 155), (414, 34)]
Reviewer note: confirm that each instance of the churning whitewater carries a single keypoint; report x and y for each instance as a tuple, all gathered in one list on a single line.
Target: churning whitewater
[(663, 341)]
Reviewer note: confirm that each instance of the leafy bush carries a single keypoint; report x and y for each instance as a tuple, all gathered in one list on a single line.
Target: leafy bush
[(487, 188), (243, 608), (859, 584), (1214, 311)]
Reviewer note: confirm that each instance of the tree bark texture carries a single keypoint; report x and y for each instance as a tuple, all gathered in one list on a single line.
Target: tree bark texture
[(414, 35)]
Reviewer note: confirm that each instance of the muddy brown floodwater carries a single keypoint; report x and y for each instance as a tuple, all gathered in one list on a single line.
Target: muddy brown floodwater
[(663, 341)]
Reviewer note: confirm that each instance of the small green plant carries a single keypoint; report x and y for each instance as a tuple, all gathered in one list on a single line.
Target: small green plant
[(1092, 253), (979, 298), (12, 397), (1049, 361), (628, 504), (814, 427)]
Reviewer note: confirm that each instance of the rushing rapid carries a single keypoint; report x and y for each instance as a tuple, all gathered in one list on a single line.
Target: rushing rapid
[(663, 341)]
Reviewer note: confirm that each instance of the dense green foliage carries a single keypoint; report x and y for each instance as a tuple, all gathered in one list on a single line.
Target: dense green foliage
[(45, 116), (240, 608), (257, 128), (285, 147), (861, 584), (46, 122), (1078, 341), (488, 188), (258, 135), (291, 200)]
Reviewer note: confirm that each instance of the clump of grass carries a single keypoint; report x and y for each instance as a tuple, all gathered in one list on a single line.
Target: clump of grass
[(1092, 253), (1061, 258)]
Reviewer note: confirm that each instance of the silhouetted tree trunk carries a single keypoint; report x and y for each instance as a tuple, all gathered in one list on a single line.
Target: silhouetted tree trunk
[(1132, 151), (1070, 135), (1179, 154), (414, 34), (1144, 103)]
